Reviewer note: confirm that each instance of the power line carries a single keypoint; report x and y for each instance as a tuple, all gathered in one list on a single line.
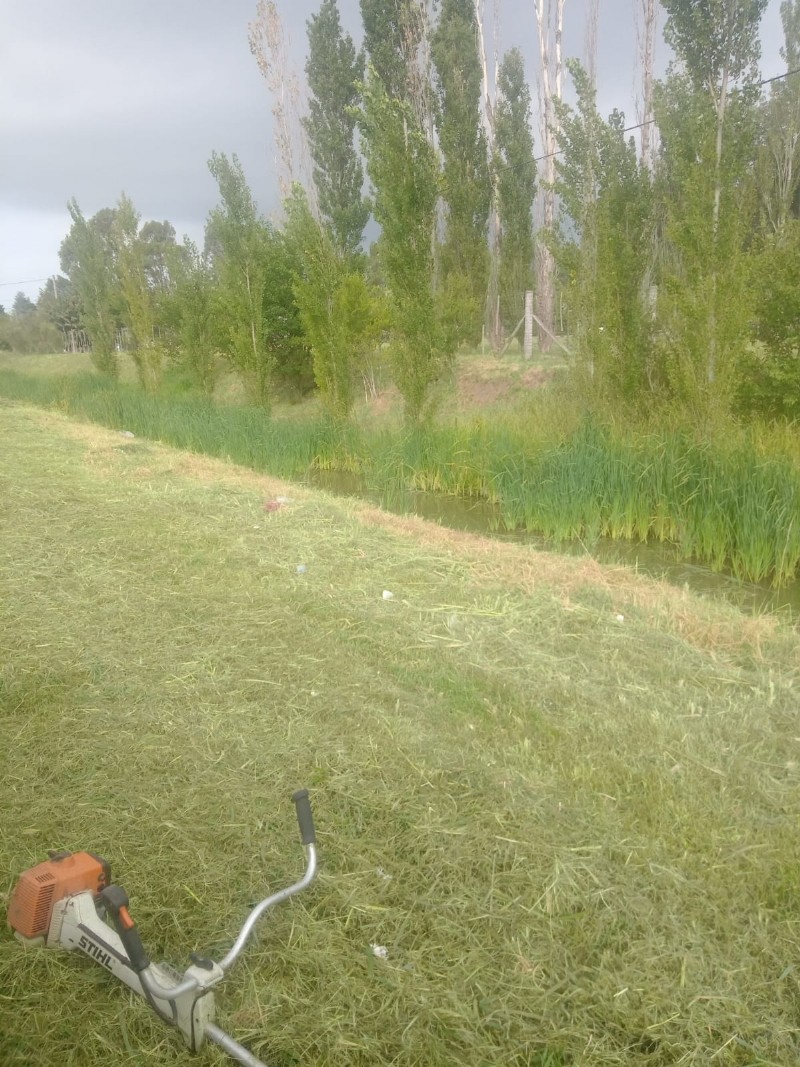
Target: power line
[(647, 122), (25, 281)]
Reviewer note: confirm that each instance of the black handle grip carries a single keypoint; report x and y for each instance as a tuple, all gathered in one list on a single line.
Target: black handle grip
[(137, 953), (116, 901), (305, 819)]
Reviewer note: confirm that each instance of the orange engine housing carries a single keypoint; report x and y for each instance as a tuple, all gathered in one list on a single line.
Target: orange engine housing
[(40, 887)]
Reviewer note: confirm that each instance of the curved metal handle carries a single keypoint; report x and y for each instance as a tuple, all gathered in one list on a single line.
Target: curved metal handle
[(307, 833)]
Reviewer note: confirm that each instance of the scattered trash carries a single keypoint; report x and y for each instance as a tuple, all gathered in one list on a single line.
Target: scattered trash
[(381, 873), (380, 951), (284, 500), (387, 595), (620, 618), (301, 568), (126, 433), (272, 505)]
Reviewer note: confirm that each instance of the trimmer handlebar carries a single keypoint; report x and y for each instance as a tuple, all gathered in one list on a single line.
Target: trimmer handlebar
[(305, 819), (128, 933)]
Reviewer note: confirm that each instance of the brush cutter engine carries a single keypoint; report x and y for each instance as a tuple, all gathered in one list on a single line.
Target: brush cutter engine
[(70, 902)]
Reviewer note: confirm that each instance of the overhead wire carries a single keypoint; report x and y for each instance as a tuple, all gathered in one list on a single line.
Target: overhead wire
[(647, 122)]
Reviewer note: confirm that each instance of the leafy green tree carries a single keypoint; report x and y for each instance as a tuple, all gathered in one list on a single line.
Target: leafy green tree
[(259, 326), (140, 312), (59, 303), (770, 382), (717, 49), (29, 333), (160, 253), (465, 179), (704, 292), (340, 314), (334, 69), (23, 305), (402, 165), (605, 245), (387, 35), (516, 182), (778, 164), (195, 305), (243, 240), (88, 259)]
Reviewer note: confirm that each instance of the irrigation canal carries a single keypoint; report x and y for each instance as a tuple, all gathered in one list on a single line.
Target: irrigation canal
[(654, 558)]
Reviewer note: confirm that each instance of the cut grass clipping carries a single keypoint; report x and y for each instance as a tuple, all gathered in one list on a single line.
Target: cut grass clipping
[(561, 797)]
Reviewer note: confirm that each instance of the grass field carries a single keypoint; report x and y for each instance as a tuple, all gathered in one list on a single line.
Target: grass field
[(562, 796)]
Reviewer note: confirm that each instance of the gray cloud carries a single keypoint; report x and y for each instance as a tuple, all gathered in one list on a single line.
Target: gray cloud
[(101, 97)]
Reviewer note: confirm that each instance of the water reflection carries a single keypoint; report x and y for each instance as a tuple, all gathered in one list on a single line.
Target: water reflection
[(655, 559)]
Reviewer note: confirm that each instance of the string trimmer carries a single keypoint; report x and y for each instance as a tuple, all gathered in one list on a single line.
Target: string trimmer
[(70, 902)]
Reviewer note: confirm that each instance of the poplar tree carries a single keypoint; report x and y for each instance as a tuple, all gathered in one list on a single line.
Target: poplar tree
[(334, 69), (604, 248), (386, 32), (87, 258), (465, 177), (197, 314), (242, 240), (706, 118), (402, 165), (339, 312), (139, 308), (516, 181)]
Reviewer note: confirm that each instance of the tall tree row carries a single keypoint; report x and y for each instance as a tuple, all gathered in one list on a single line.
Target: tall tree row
[(671, 259)]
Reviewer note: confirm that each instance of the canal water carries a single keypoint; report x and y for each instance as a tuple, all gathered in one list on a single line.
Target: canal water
[(654, 558)]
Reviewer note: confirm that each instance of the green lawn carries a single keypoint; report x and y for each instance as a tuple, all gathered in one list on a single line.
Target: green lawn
[(563, 797)]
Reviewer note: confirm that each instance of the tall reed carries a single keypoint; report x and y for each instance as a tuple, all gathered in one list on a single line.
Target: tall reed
[(731, 503)]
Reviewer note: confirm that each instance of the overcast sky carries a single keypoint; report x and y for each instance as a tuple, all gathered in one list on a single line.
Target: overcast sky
[(98, 97)]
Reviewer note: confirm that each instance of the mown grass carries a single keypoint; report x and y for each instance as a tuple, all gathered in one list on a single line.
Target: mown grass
[(733, 503), (574, 833)]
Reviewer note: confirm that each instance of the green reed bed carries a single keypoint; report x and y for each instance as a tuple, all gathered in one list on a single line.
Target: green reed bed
[(726, 506), (728, 502)]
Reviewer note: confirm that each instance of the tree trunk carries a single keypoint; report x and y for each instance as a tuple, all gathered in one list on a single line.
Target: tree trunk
[(646, 39), (493, 320), (711, 372), (545, 264)]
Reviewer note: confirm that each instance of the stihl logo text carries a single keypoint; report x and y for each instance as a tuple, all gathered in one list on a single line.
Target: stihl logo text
[(93, 950)]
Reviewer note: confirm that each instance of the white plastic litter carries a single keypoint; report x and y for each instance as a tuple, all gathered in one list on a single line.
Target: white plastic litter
[(301, 568), (380, 951), (387, 595), (620, 618)]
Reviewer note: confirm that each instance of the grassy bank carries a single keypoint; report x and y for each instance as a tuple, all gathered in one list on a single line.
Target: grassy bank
[(731, 503), (561, 796)]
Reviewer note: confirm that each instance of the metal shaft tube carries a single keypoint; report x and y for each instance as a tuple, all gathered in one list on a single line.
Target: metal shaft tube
[(233, 1048), (268, 903)]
